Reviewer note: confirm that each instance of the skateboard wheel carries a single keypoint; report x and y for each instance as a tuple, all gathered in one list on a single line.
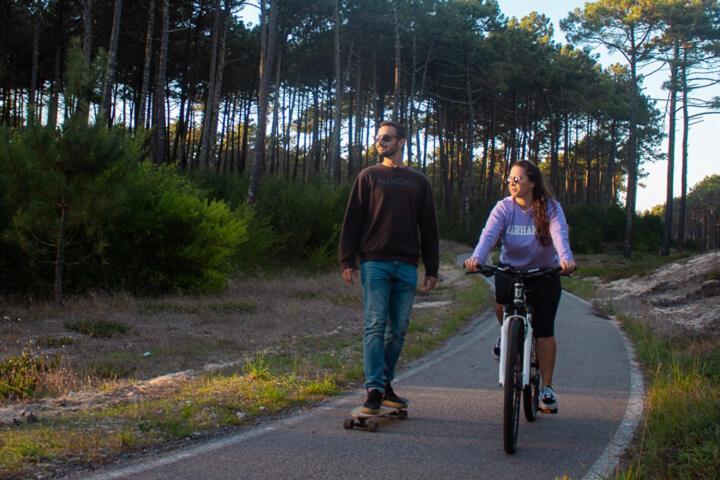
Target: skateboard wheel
[(402, 414), (372, 425), (348, 424)]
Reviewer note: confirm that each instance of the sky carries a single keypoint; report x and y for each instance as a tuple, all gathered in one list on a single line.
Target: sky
[(704, 136)]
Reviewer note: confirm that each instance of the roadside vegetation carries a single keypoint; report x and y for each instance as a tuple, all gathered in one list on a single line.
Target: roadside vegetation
[(680, 433), (168, 413)]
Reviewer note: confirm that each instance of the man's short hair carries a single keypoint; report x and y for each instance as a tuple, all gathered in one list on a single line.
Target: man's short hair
[(398, 128)]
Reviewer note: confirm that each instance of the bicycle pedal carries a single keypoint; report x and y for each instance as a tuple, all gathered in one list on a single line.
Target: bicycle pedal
[(547, 410)]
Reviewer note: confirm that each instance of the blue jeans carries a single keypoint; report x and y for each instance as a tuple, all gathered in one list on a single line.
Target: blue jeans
[(388, 296)]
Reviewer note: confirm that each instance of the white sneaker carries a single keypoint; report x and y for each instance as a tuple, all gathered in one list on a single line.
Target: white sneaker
[(548, 400)]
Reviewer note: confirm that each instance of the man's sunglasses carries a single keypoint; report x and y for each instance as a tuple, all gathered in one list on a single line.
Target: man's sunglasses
[(513, 180), (385, 138)]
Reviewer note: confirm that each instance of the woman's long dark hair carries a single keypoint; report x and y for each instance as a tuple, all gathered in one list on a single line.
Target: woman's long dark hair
[(541, 197)]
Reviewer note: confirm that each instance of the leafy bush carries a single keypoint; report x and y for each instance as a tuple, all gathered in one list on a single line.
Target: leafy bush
[(595, 228), (53, 195), (166, 236), (291, 220), (127, 224), (305, 216)]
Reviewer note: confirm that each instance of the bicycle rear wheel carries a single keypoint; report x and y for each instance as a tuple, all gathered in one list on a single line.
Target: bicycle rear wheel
[(531, 393), (512, 386)]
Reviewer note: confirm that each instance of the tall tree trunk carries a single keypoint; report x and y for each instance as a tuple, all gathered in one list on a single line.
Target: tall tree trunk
[(316, 132), (159, 136), (398, 49), (667, 228), (60, 248), (588, 160), (489, 190), (83, 106), (411, 100), (275, 118), (32, 101), (684, 168), (334, 153), (244, 142), (267, 55), (632, 157), (111, 62), (609, 179), (217, 89), (208, 115), (149, 34)]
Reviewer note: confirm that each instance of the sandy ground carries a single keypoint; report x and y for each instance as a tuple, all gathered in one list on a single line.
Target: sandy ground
[(679, 298)]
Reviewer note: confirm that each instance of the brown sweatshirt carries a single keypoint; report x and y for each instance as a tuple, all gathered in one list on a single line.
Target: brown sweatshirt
[(387, 209)]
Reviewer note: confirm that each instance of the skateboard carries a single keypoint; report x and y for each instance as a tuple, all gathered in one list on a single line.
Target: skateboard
[(369, 421)]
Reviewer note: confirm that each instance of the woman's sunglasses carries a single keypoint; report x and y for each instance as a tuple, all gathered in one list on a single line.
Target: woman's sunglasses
[(513, 180)]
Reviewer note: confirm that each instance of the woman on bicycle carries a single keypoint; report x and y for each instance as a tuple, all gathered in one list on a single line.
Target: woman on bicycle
[(531, 226)]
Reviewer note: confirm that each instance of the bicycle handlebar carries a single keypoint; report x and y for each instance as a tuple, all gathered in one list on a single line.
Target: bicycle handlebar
[(490, 270)]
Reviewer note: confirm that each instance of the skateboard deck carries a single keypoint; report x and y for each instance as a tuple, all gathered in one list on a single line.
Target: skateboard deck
[(369, 421)]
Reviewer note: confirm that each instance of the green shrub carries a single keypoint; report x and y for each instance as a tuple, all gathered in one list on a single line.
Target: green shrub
[(306, 217), (54, 178), (166, 236), (291, 220)]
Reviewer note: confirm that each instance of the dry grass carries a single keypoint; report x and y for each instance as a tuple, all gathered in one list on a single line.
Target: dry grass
[(273, 343)]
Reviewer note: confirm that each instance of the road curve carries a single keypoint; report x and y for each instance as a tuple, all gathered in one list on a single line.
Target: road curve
[(454, 428)]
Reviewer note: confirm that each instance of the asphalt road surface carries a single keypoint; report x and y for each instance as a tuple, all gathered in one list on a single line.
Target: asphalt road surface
[(454, 429)]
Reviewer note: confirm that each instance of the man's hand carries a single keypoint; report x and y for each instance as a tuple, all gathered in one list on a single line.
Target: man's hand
[(567, 266), (348, 274), (472, 264), (428, 284)]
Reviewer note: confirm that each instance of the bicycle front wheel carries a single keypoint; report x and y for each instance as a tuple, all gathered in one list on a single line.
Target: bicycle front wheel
[(513, 386)]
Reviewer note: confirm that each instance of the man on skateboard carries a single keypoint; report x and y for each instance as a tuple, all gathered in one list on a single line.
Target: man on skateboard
[(390, 222)]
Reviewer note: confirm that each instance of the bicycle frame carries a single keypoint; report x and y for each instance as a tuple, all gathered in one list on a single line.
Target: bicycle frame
[(519, 305)]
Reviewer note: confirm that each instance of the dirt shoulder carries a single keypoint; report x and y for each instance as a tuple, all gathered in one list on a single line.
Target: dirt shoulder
[(681, 298)]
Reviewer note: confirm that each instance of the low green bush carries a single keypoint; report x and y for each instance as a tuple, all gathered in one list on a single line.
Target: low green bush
[(127, 224), (166, 236)]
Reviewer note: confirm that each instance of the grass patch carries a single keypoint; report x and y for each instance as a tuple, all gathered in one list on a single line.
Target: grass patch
[(171, 308), (25, 375), (98, 328), (613, 267), (425, 333), (681, 434), (232, 307), (194, 409), (578, 286), (113, 366), (51, 341), (194, 309)]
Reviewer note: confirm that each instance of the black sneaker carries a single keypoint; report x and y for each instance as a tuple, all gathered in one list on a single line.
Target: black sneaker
[(390, 399), (373, 402), (496, 350)]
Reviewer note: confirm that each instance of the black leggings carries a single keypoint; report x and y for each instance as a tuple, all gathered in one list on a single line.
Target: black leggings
[(543, 293)]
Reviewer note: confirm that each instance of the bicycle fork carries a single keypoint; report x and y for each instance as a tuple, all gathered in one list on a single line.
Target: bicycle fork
[(527, 347)]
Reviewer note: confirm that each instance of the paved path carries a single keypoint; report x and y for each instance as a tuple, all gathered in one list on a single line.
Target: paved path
[(454, 427)]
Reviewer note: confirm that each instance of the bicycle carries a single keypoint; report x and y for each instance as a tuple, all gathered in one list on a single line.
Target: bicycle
[(519, 373)]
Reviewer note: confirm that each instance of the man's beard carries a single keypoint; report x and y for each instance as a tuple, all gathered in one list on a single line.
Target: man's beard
[(387, 153)]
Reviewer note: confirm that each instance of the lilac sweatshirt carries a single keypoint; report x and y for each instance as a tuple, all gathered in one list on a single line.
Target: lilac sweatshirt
[(520, 247)]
